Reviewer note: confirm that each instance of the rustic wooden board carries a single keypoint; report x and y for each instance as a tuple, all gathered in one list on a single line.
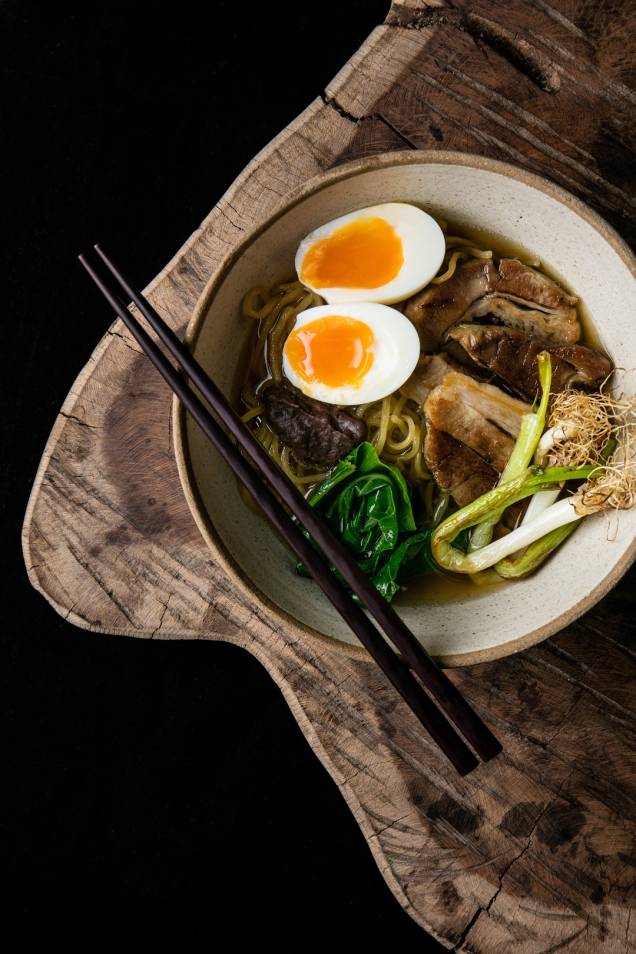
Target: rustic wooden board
[(538, 848)]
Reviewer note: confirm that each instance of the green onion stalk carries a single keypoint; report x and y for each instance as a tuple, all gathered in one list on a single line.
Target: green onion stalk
[(539, 537), (532, 427), (529, 559)]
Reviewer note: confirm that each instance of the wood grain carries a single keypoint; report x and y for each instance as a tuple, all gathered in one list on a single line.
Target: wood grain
[(537, 849)]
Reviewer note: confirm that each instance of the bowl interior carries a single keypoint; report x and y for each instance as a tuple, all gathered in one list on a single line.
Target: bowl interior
[(512, 207)]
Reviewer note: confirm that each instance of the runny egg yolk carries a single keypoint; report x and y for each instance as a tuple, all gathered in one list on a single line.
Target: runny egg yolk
[(365, 253), (334, 350)]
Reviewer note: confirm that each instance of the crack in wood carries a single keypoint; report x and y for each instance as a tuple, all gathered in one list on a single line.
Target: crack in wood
[(566, 942), (398, 132), (234, 224), (557, 650), (161, 618), (566, 716), (88, 568), (462, 938), (393, 824), (40, 533), (78, 420), (129, 344), (485, 909), (587, 624), (366, 117)]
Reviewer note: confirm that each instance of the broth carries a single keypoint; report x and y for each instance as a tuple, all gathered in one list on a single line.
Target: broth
[(445, 588)]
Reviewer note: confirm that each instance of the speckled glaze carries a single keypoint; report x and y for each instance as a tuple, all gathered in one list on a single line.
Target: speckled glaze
[(511, 205)]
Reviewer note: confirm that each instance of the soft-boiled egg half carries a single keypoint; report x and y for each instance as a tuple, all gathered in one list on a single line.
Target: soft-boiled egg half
[(350, 354), (383, 253)]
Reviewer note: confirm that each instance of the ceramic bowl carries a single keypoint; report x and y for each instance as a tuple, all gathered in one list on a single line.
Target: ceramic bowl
[(512, 206)]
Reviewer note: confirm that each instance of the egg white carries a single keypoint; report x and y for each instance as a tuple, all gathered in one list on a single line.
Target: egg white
[(396, 350), (423, 247)]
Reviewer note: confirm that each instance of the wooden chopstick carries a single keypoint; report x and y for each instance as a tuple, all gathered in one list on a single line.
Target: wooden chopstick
[(397, 672), (433, 678)]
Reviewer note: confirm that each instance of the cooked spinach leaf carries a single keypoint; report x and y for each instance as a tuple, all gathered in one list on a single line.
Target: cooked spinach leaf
[(367, 504)]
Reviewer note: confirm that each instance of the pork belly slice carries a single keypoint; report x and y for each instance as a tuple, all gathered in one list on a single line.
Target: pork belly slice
[(430, 371), (481, 422), (437, 308), (457, 469), (512, 356), (446, 413), (510, 292), (491, 401), (488, 401)]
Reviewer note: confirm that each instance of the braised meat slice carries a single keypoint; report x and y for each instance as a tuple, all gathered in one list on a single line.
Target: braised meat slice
[(511, 293), (527, 284), (430, 371), (457, 469), (560, 327), (512, 356), (481, 422), (489, 401), (319, 434), (437, 308), (444, 412)]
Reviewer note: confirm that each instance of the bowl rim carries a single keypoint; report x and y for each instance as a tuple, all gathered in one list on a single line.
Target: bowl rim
[(180, 437)]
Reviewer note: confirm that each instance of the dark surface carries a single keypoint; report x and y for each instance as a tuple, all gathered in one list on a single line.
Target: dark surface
[(164, 779)]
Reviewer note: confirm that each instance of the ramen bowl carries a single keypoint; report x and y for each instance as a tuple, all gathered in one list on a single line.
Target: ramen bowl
[(516, 210)]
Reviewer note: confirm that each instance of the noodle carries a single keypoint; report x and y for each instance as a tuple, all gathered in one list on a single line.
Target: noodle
[(254, 412), (396, 430), (458, 248), (450, 271)]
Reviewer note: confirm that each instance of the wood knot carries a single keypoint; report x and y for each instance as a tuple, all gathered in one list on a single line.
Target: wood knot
[(560, 825), (462, 819)]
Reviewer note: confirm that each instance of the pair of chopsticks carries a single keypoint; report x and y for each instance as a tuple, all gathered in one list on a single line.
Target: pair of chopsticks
[(269, 486)]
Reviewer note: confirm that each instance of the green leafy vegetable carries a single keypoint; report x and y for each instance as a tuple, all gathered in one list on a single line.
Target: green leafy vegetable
[(367, 504)]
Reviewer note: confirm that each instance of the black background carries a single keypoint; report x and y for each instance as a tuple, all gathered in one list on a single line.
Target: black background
[(168, 781)]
